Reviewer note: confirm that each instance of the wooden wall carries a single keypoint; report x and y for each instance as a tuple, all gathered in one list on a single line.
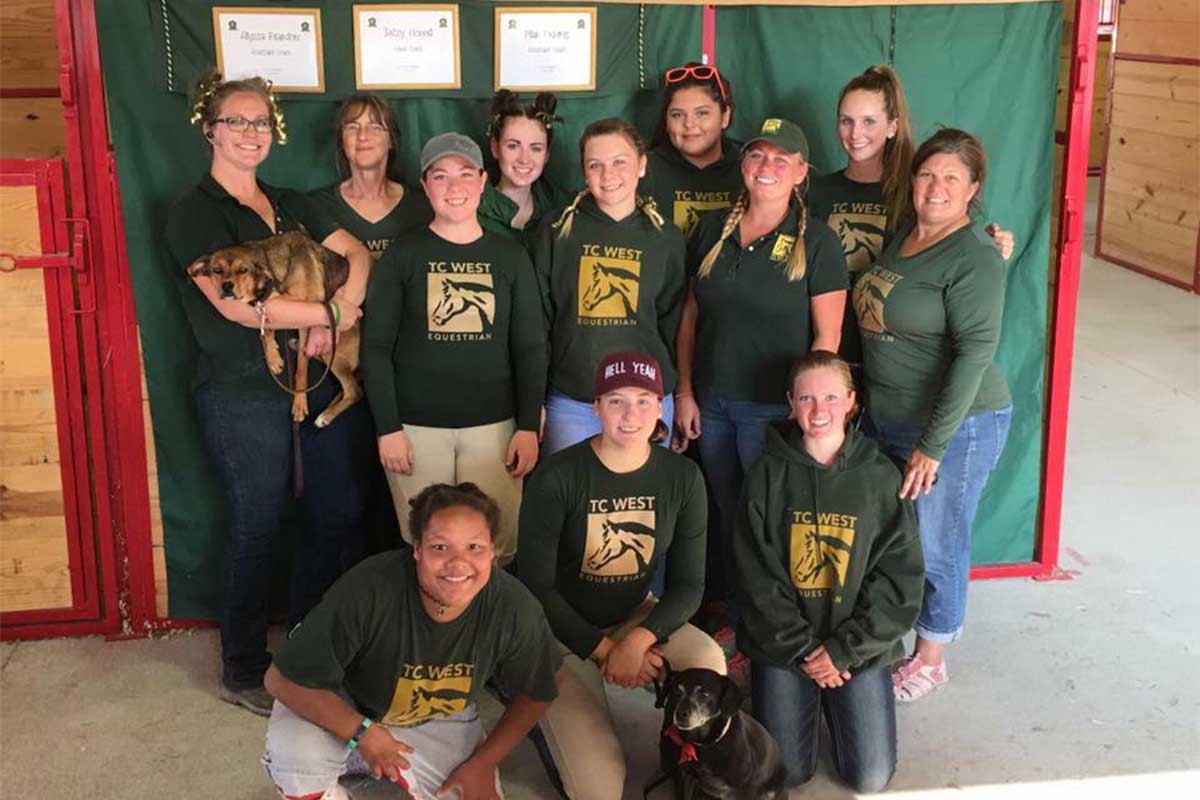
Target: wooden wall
[(30, 127), (1150, 201), (34, 565)]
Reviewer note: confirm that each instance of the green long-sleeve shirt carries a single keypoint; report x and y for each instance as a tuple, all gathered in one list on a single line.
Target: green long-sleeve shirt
[(496, 211), (452, 334), (590, 540), (826, 555), (608, 286), (930, 325)]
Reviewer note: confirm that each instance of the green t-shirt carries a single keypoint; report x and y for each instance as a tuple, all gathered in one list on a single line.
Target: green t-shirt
[(591, 540), (452, 334), (930, 326), (206, 219), (858, 216), (685, 192), (371, 638), (497, 210), (608, 286), (753, 322), (413, 211)]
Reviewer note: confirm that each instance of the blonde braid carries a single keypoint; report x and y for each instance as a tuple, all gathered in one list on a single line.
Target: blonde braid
[(798, 259), (650, 209), (731, 222), (564, 222)]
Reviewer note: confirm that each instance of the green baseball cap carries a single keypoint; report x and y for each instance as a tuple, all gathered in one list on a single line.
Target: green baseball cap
[(782, 133)]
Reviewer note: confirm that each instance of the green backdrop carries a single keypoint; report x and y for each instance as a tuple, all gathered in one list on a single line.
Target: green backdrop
[(783, 61)]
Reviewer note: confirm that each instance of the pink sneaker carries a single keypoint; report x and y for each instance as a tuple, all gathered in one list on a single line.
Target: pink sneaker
[(914, 679)]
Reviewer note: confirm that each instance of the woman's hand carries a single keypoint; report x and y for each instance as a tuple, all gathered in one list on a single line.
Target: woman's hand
[(349, 313), (474, 779), (652, 665), (624, 664), (384, 753), (1003, 240), (395, 453), (919, 475), (522, 453), (687, 422), (318, 341), (820, 668)]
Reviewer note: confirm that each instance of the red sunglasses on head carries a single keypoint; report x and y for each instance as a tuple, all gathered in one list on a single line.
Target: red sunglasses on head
[(700, 72)]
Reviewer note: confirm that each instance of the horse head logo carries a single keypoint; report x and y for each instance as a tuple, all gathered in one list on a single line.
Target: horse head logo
[(619, 538), (821, 553), (858, 236), (461, 296), (609, 281)]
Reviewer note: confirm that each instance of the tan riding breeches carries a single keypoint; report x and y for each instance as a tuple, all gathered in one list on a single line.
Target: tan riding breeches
[(579, 727), (454, 455)]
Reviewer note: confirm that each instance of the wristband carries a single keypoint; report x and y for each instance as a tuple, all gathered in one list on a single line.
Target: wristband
[(337, 313), (358, 733)]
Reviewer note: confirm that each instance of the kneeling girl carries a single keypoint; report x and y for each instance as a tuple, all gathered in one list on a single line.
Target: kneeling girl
[(829, 565), (598, 519)]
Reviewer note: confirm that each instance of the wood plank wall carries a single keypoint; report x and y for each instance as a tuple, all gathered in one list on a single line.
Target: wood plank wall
[(30, 127), (1150, 202), (34, 564)]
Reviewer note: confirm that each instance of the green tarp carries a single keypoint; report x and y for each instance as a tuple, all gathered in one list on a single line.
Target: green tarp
[(956, 63)]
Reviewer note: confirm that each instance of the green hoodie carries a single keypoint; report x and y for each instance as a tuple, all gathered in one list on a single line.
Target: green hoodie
[(685, 192), (610, 285), (496, 211), (826, 555)]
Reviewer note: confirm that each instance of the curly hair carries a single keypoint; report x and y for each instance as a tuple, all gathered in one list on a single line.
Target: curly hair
[(441, 496)]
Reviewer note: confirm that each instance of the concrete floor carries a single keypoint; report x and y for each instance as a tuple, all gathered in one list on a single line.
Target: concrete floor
[(1088, 687)]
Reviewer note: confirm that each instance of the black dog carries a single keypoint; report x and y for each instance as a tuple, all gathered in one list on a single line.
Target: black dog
[(710, 747)]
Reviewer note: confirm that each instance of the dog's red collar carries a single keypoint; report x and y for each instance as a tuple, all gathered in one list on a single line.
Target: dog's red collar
[(687, 750)]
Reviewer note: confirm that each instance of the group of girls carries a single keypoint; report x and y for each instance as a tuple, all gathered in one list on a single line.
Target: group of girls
[(507, 326)]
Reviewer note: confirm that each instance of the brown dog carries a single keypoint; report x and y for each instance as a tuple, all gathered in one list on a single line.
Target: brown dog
[(292, 265)]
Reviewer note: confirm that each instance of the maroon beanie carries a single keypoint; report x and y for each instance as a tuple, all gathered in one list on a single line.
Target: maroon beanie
[(628, 368)]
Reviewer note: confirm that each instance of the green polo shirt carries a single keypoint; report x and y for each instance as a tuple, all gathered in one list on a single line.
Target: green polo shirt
[(608, 286), (413, 211), (753, 322), (372, 638), (496, 211), (930, 327), (206, 219), (685, 192), (452, 334), (592, 539)]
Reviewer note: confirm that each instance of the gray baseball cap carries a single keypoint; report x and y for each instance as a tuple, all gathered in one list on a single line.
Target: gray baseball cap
[(451, 144)]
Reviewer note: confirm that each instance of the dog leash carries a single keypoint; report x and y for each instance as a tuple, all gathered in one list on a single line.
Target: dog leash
[(261, 308)]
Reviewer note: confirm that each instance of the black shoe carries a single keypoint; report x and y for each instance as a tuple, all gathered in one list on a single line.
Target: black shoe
[(254, 699)]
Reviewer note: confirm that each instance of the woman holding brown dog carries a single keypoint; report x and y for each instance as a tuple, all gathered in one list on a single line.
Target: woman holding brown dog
[(244, 416), (828, 562)]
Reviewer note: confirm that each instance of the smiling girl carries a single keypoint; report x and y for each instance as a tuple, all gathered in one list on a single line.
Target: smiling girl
[(612, 278)]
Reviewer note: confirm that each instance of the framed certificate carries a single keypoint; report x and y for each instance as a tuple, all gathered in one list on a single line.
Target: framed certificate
[(546, 49), (407, 47), (282, 45)]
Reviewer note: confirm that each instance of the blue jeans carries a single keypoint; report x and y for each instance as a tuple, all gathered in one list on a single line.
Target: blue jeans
[(570, 421), (861, 715), (733, 435), (947, 513), (249, 443)]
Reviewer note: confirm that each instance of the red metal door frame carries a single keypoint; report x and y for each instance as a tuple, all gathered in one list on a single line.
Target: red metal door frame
[(1070, 250), (70, 301)]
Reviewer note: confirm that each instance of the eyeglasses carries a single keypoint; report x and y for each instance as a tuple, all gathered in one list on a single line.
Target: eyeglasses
[(239, 124), (372, 129), (699, 72)]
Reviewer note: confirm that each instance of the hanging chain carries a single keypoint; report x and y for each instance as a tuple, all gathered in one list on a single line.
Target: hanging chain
[(641, 45), (167, 40), (892, 41)]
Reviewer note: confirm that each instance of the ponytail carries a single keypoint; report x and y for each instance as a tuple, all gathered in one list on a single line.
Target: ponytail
[(731, 222), (898, 151), (797, 262), (563, 224)]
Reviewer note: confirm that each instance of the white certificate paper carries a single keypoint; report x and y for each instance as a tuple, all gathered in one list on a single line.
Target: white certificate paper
[(281, 45), (406, 47), (546, 49)]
